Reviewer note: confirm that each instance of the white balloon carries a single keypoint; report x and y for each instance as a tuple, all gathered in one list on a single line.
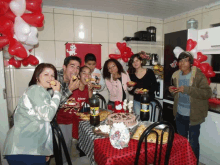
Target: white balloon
[(177, 50), (21, 29), (18, 7), (32, 37), (194, 53), (28, 47)]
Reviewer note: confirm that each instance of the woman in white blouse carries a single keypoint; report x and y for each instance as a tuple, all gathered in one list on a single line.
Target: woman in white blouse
[(29, 141)]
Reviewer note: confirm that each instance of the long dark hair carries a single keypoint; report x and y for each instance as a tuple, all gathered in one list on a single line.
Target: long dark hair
[(39, 69), (106, 73), (131, 69)]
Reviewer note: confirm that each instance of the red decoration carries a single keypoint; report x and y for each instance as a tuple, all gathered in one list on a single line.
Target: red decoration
[(33, 60), (201, 57), (196, 63), (10, 15), (3, 41), (34, 19), (204, 67), (6, 26), (81, 50), (34, 5), (15, 63), (124, 50), (190, 45), (3, 7), (16, 48)]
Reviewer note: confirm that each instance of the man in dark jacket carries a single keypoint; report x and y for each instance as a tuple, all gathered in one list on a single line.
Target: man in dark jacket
[(191, 93)]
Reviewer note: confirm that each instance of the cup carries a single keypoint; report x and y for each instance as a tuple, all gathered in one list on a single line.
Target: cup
[(110, 107)]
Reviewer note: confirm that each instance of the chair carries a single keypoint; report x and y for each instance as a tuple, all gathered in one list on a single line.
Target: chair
[(156, 111), (169, 143), (58, 143), (103, 104)]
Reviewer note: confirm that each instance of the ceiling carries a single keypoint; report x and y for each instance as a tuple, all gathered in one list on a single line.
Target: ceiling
[(151, 8)]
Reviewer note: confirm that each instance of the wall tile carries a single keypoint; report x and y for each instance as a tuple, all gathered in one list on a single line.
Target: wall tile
[(62, 21), (99, 14), (130, 27), (82, 13), (99, 30), (45, 52), (130, 18), (60, 53), (112, 49), (46, 9), (115, 16), (213, 85), (156, 20), (115, 31), (159, 31), (144, 19), (218, 90), (179, 17), (142, 26), (104, 53), (63, 11), (194, 12), (134, 49), (8, 83), (180, 24), (21, 79), (47, 31), (146, 48), (82, 28), (169, 19), (206, 9), (209, 18)]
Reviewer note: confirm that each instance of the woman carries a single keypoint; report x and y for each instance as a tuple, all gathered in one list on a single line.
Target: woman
[(116, 81), (29, 141), (145, 78)]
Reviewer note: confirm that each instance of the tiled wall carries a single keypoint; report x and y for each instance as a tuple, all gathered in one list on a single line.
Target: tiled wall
[(62, 25), (205, 17)]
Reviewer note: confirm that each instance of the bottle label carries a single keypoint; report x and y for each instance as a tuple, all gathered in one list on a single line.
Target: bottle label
[(144, 107), (94, 111)]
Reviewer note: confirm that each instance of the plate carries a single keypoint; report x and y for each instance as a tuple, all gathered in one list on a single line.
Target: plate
[(134, 83)]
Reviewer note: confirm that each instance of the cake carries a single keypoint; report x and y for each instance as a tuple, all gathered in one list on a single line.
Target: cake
[(127, 118)]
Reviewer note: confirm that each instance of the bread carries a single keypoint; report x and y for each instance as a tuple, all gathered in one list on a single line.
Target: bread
[(131, 83), (52, 83), (97, 86), (74, 77), (87, 80)]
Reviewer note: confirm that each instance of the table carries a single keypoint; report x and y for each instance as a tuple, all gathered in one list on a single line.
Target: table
[(105, 154)]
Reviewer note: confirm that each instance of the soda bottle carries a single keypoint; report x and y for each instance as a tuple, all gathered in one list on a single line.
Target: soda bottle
[(94, 110), (145, 102)]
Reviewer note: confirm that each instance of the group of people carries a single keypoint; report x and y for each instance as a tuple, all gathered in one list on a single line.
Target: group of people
[(29, 141)]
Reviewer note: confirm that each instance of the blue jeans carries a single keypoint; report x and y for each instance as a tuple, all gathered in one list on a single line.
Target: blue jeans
[(26, 160), (193, 131)]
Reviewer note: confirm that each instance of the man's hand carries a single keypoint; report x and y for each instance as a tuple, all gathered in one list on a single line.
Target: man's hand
[(73, 85), (173, 89), (180, 89)]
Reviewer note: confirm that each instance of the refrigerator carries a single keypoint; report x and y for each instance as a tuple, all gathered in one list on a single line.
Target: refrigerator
[(171, 40)]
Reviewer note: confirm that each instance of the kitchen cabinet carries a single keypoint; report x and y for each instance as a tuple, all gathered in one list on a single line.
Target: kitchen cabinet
[(210, 140), (208, 40)]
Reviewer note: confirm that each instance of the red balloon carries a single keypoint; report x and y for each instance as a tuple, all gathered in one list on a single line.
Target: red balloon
[(125, 59), (17, 49), (115, 56), (10, 15), (25, 62), (210, 73), (6, 1), (15, 63), (204, 67), (34, 19), (201, 57), (6, 26), (190, 45), (3, 7), (3, 41), (34, 6), (196, 63), (121, 46), (33, 60)]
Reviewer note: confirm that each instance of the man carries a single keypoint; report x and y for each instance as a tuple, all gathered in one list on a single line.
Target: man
[(71, 68), (191, 93)]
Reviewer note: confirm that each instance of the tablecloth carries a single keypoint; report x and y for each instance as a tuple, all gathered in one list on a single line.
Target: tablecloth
[(105, 154)]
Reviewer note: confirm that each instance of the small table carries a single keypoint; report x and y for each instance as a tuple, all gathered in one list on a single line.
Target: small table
[(105, 154)]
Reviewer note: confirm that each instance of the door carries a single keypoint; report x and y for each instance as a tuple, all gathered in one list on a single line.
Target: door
[(4, 126)]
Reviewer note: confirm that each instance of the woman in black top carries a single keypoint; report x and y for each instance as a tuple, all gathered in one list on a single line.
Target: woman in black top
[(145, 78)]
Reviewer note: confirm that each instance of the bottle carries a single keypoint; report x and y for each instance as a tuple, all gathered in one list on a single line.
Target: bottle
[(145, 102), (94, 110)]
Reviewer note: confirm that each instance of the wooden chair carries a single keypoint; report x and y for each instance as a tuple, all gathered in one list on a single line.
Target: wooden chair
[(103, 103), (171, 131)]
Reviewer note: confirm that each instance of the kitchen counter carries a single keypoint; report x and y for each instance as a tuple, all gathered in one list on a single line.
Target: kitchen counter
[(214, 108)]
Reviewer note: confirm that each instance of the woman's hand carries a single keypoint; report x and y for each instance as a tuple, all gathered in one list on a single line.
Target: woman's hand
[(56, 87), (47, 158), (180, 89), (136, 91)]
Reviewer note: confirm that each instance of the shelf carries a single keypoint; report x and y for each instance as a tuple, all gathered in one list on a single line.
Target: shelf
[(144, 43)]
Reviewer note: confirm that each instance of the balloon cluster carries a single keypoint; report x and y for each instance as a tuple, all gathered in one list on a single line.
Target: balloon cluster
[(18, 37), (124, 50), (206, 69)]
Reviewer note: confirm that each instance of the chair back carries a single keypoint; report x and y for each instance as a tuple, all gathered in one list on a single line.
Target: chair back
[(156, 111), (58, 144), (103, 104), (157, 160)]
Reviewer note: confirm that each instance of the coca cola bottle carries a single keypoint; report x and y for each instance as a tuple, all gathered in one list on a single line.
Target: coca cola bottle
[(94, 110), (145, 102)]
